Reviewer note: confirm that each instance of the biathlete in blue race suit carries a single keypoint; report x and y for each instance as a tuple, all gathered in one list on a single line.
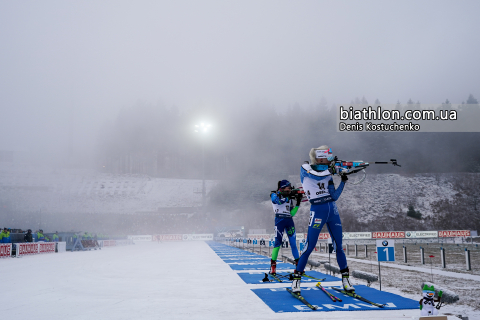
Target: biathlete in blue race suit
[(282, 202), (317, 182)]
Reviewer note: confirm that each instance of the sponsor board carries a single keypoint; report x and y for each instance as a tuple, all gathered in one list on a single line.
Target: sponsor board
[(5, 250), (357, 235), (258, 236), (298, 236), (141, 238), (385, 250), (321, 236), (61, 246), (48, 247), (198, 237), (109, 243), (124, 242), (26, 248), (167, 237), (388, 234), (421, 234), (453, 233)]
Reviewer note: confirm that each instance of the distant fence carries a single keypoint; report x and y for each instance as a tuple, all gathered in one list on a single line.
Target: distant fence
[(182, 237)]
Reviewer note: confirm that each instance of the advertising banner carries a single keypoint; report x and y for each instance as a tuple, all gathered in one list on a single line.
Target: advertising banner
[(5, 250), (385, 250), (61, 247), (454, 233), (124, 242), (198, 237), (258, 236), (47, 247), (141, 238), (388, 234), (109, 243), (421, 234), (26, 248), (167, 237), (321, 236), (357, 235)]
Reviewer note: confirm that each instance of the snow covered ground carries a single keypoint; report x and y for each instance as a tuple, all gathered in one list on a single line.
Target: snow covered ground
[(149, 280)]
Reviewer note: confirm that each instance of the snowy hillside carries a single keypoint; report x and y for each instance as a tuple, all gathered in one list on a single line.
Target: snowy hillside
[(387, 194), (378, 195)]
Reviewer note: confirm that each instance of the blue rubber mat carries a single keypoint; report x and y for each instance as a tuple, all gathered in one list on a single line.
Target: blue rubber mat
[(261, 266), (280, 300), (239, 256), (250, 260), (256, 277)]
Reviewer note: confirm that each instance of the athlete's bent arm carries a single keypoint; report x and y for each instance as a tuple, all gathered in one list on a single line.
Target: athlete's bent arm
[(335, 193)]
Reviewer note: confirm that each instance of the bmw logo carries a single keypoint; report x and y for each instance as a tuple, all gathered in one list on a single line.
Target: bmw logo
[(384, 243)]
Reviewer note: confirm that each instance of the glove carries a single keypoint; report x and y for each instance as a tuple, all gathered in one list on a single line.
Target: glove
[(331, 168), (299, 197), (344, 178), (440, 294)]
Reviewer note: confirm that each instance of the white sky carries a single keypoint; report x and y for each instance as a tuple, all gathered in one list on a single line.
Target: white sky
[(90, 58)]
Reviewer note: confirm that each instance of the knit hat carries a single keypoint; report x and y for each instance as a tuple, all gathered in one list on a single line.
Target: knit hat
[(282, 184)]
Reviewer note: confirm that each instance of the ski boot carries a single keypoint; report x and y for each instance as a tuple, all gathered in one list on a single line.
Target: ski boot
[(273, 267), (347, 286), (297, 278)]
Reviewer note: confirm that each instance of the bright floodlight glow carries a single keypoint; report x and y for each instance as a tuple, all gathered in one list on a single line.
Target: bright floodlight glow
[(202, 127)]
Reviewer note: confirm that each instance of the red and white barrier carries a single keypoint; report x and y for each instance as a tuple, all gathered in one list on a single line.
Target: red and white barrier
[(23, 249), (454, 233), (27, 248), (5, 250), (388, 234), (109, 243), (321, 236), (48, 247)]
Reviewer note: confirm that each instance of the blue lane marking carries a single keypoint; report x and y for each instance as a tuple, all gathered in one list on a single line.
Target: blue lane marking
[(261, 266), (256, 277), (279, 300)]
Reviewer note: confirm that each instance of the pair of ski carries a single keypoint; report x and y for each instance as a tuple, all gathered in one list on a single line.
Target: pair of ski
[(331, 296), (334, 298), (289, 276), (308, 304), (356, 296)]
